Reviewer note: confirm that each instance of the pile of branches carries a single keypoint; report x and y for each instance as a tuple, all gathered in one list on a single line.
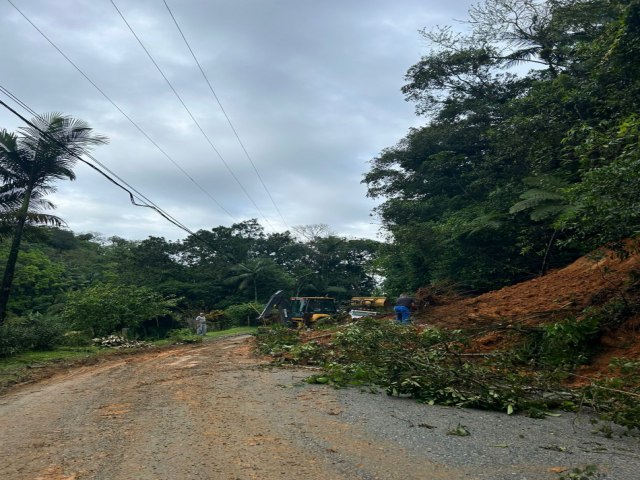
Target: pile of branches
[(433, 366), (439, 294), (116, 341)]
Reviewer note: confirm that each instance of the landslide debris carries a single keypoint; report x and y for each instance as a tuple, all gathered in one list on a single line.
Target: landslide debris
[(604, 282)]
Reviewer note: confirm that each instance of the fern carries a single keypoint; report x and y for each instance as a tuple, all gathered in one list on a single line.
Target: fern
[(545, 200)]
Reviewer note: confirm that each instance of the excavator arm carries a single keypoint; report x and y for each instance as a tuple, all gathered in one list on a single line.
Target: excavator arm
[(280, 301)]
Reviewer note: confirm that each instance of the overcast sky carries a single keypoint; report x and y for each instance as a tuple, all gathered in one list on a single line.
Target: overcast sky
[(312, 88)]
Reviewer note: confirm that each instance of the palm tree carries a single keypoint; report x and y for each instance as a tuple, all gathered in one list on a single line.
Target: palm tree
[(247, 274), (43, 152), (10, 201)]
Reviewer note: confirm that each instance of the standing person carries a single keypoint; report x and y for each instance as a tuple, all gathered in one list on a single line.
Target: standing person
[(403, 307), (201, 324)]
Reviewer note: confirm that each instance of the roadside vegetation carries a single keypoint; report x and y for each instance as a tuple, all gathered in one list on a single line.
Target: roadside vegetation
[(69, 289)]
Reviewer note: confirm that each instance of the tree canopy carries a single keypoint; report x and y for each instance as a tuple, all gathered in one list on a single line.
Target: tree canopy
[(209, 270), (529, 155)]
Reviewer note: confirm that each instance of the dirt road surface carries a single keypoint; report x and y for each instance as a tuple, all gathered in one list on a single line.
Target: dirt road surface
[(214, 411)]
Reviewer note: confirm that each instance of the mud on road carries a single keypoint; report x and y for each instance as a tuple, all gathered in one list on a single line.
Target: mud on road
[(214, 411)]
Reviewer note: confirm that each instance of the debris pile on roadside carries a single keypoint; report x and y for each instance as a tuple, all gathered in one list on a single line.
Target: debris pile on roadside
[(116, 341), (602, 284)]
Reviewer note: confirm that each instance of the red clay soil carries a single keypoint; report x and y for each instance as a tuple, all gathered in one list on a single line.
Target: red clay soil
[(592, 280)]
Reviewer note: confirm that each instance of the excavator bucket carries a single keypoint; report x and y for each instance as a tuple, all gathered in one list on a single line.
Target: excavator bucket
[(279, 300)]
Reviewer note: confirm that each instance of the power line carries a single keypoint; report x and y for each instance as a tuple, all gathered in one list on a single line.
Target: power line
[(144, 133), (224, 112), (140, 197), (193, 118), (148, 203)]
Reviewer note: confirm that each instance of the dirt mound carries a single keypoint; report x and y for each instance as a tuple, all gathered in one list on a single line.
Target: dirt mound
[(591, 281)]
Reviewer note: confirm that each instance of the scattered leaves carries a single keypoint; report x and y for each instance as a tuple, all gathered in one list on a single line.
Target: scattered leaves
[(459, 431)]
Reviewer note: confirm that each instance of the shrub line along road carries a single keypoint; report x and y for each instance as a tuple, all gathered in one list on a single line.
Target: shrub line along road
[(213, 411)]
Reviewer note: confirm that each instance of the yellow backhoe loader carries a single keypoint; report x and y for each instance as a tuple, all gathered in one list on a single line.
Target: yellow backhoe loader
[(299, 312)]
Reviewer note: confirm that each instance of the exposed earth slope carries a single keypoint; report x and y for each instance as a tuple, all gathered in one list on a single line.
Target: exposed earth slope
[(591, 281)]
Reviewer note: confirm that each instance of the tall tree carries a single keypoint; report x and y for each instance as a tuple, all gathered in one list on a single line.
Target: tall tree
[(515, 171), (30, 162)]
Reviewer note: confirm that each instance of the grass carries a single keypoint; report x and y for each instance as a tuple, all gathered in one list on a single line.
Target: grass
[(210, 335), (36, 358), (231, 331), (28, 365)]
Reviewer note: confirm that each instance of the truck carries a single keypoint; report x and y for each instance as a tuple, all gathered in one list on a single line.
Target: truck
[(361, 307)]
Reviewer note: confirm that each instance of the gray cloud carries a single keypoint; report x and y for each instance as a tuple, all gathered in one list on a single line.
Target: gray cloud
[(313, 89)]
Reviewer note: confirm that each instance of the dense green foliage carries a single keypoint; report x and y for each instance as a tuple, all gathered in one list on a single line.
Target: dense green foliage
[(104, 308), (33, 332), (37, 282), (94, 286), (515, 172)]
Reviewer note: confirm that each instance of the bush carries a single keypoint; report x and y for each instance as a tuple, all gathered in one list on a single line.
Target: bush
[(276, 340), (183, 335), (242, 314), (216, 320), (106, 308), (617, 397), (15, 337), (34, 332), (563, 344), (76, 338)]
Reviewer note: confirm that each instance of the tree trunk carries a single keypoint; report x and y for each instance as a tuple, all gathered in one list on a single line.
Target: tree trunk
[(543, 268), (9, 270)]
